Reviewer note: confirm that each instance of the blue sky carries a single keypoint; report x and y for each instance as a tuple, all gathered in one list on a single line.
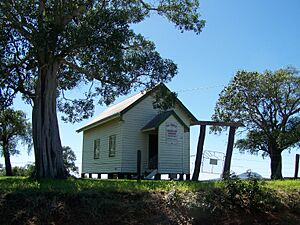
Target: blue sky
[(239, 35)]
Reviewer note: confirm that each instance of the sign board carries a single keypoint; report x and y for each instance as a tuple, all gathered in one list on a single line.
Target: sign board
[(213, 161), (171, 132)]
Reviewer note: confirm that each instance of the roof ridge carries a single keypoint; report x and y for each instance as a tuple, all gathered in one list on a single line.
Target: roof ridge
[(115, 111)]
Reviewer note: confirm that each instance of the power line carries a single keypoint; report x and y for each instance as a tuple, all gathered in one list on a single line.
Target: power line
[(200, 88)]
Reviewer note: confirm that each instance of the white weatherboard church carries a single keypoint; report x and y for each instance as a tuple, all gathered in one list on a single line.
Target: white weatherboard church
[(112, 139)]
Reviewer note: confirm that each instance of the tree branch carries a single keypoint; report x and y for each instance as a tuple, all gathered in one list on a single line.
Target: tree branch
[(86, 72), (77, 12)]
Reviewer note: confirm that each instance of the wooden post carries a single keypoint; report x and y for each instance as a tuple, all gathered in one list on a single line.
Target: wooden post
[(181, 176), (157, 177), (228, 156), (199, 153), (121, 176), (296, 166), (187, 177), (138, 165)]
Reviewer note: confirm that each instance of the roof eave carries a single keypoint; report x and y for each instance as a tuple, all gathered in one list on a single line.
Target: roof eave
[(98, 123), (149, 129), (172, 113)]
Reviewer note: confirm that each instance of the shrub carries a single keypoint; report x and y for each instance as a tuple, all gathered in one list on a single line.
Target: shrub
[(25, 171), (249, 195)]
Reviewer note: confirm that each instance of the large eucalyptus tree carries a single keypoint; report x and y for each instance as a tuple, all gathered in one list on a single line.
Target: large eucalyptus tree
[(48, 47)]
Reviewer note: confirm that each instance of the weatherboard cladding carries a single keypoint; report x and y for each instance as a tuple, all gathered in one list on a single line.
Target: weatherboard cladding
[(171, 159), (127, 119), (133, 139), (104, 163)]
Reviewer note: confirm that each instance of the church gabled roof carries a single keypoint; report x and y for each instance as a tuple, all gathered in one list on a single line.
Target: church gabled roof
[(159, 119), (120, 108)]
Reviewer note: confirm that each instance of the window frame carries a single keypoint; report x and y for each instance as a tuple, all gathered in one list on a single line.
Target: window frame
[(97, 144), (112, 145)]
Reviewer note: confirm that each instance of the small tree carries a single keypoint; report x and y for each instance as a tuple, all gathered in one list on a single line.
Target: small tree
[(269, 105), (69, 158), (14, 128)]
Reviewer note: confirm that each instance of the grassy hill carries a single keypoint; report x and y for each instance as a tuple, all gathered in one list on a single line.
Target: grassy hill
[(90, 201)]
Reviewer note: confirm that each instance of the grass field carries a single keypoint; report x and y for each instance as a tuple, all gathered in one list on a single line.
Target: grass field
[(21, 184), (93, 201)]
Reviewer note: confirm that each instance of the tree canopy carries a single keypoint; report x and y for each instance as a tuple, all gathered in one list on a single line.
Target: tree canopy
[(48, 47), (93, 44), (69, 158), (268, 104), (14, 127)]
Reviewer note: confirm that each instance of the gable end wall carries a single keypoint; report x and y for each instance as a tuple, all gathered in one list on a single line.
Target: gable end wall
[(173, 153), (104, 164), (133, 138)]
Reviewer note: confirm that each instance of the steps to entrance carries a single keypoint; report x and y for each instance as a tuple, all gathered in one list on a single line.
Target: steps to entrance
[(151, 174)]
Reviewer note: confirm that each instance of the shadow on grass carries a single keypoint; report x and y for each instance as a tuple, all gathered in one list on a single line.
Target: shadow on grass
[(101, 207)]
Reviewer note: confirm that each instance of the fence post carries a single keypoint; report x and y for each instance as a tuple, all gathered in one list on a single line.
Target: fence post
[(296, 166), (226, 170), (199, 153), (138, 165)]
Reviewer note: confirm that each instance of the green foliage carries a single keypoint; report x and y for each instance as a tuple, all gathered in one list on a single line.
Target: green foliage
[(243, 196), (69, 158), (91, 42), (249, 194), (48, 48), (2, 171), (14, 127), (209, 202), (72, 185), (28, 170), (268, 104), (164, 99), (25, 171), (283, 185), (21, 171)]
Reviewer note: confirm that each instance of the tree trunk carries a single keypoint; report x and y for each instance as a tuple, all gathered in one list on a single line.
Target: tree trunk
[(8, 169), (46, 139), (276, 164)]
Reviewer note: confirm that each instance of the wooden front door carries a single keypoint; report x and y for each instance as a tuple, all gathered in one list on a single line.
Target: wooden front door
[(153, 151)]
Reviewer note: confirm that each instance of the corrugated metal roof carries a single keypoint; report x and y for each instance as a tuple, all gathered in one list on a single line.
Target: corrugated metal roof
[(159, 119), (114, 110)]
